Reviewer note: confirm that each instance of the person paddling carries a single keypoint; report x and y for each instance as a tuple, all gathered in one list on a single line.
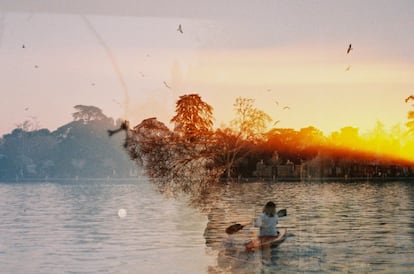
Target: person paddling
[(268, 220)]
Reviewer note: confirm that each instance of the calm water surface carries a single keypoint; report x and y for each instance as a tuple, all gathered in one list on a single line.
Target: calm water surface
[(74, 227)]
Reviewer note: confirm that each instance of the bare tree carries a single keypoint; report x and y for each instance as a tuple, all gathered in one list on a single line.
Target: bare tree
[(247, 128), (410, 123)]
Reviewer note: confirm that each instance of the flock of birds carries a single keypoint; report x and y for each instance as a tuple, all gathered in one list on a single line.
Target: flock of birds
[(180, 30)]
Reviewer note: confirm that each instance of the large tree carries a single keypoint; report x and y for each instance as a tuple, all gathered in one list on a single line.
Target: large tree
[(250, 123), (194, 117), (88, 113), (181, 159), (247, 128)]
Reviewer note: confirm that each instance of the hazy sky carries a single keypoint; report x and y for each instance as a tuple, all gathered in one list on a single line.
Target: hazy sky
[(116, 55)]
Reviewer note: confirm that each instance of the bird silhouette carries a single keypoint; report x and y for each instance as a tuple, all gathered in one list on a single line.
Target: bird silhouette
[(286, 107), (124, 126), (348, 68), (276, 122), (180, 29), (349, 48), (411, 97), (165, 83)]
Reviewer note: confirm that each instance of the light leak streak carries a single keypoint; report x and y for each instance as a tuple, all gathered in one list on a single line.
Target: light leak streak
[(2, 24), (114, 63)]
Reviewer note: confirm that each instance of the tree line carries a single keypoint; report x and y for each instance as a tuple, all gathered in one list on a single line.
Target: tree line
[(193, 154), (79, 149)]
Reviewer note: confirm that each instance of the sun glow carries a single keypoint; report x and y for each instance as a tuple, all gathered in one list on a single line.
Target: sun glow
[(397, 146), (257, 67), (315, 83)]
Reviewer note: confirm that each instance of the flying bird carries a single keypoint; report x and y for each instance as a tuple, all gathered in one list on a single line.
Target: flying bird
[(165, 83), (116, 102), (348, 68), (124, 126), (142, 74), (23, 46), (276, 122), (349, 48), (411, 97), (286, 107), (276, 102), (180, 29)]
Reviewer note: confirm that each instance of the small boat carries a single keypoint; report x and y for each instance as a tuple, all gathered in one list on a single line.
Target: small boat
[(267, 241)]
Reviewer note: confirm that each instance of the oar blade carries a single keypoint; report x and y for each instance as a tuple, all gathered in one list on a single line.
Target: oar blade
[(282, 213), (234, 228)]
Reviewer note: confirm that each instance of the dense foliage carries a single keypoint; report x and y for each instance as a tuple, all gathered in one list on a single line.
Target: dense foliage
[(80, 149)]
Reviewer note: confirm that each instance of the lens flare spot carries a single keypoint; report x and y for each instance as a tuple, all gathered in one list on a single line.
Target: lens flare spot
[(122, 213)]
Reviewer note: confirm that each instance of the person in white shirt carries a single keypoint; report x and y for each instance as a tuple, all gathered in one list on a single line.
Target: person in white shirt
[(268, 220)]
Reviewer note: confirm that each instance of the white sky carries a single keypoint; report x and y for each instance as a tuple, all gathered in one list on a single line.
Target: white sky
[(116, 55)]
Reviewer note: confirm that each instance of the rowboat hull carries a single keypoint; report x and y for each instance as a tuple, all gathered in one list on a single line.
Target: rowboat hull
[(267, 241)]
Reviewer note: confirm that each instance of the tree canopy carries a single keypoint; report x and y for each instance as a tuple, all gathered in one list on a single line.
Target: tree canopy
[(88, 113), (194, 117), (74, 149)]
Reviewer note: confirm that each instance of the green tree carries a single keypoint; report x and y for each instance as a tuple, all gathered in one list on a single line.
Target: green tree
[(75, 149)]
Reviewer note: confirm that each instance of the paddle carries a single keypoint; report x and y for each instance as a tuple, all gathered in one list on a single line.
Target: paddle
[(236, 227)]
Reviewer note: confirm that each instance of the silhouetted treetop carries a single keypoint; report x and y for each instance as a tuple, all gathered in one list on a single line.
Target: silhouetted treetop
[(410, 116), (88, 113)]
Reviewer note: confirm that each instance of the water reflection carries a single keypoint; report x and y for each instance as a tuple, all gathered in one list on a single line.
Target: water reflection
[(332, 227), (74, 227)]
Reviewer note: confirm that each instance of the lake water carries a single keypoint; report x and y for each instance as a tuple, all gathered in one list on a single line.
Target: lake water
[(74, 227)]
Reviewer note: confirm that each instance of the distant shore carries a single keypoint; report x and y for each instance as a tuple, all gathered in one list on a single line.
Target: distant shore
[(223, 180)]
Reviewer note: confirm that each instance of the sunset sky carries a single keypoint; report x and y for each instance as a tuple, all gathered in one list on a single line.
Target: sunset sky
[(116, 55)]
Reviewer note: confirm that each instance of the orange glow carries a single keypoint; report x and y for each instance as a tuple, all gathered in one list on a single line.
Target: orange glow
[(313, 82), (257, 67), (377, 145)]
